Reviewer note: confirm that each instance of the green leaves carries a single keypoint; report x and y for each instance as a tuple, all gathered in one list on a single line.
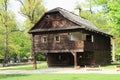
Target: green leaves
[(114, 21), (19, 41), (106, 19), (32, 9)]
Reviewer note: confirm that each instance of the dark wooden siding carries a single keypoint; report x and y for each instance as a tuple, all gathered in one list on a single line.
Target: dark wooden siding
[(55, 20), (36, 43), (102, 49), (102, 43), (88, 46), (64, 45)]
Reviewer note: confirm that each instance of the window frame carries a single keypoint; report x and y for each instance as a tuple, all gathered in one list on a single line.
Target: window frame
[(44, 39), (55, 39)]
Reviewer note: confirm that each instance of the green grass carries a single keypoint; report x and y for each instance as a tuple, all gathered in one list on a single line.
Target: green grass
[(111, 66), (25, 66), (44, 65), (61, 77)]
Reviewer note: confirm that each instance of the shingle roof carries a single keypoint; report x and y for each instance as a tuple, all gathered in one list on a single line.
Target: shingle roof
[(83, 23), (74, 18)]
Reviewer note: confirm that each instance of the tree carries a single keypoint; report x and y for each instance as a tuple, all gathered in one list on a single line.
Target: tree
[(7, 25), (4, 18), (97, 17), (1, 44), (114, 21), (32, 10), (19, 44)]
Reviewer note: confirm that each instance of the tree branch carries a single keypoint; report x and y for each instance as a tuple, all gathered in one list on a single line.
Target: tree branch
[(22, 5)]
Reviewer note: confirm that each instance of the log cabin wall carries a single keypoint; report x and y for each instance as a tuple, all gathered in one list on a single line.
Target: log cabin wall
[(54, 20), (102, 49), (64, 45), (52, 44), (36, 47)]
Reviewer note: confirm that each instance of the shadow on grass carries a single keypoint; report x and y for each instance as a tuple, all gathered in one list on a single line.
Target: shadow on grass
[(12, 75)]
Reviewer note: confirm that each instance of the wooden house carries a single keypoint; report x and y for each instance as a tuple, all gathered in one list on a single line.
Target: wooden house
[(69, 40)]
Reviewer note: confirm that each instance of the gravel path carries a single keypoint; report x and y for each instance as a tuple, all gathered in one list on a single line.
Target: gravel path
[(61, 71)]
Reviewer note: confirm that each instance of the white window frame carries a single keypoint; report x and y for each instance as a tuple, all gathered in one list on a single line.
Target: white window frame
[(92, 38), (44, 39), (55, 40)]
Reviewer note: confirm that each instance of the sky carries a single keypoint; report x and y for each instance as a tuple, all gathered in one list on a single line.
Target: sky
[(49, 4), (66, 4)]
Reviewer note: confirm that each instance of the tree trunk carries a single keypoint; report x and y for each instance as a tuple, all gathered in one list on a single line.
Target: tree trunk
[(33, 53), (6, 48), (91, 7), (6, 36)]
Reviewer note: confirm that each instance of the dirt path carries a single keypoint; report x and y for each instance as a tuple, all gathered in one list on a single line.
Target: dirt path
[(60, 71)]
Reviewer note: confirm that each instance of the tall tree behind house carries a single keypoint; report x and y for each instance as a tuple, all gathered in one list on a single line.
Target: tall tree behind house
[(110, 17), (113, 15), (32, 10), (8, 24), (88, 12), (4, 19)]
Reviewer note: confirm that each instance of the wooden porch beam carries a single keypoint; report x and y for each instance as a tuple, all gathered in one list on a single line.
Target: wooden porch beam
[(75, 58), (34, 61), (33, 53), (113, 49)]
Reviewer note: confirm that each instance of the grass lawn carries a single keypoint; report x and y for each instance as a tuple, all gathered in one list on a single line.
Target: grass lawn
[(25, 66), (44, 65), (61, 77), (111, 66)]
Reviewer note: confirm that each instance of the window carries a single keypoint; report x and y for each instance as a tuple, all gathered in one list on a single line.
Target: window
[(44, 39), (57, 38), (90, 38), (76, 36)]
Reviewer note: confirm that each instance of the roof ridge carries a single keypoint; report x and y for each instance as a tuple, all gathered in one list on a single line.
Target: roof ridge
[(79, 17), (81, 22), (75, 18)]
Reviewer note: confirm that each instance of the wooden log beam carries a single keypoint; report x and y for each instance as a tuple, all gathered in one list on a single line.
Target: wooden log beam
[(34, 54), (75, 58), (34, 61), (113, 49)]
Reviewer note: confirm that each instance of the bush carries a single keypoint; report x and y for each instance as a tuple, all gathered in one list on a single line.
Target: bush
[(41, 57), (117, 57)]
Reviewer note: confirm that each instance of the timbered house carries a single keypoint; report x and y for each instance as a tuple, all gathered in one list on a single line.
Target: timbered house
[(69, 40)]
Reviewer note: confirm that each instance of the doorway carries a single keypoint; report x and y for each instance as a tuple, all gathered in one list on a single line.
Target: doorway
[(60, 59)]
